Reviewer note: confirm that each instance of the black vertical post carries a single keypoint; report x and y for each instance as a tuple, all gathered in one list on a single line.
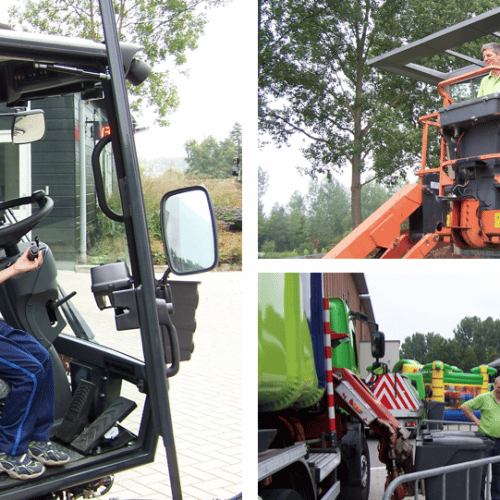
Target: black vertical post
[(134, 210)]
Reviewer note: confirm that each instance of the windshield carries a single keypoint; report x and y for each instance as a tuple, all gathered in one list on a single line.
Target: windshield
[(466, 90)]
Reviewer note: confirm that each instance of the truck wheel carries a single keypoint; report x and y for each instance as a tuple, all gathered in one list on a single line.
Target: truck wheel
[(280, 494), (362, 491)]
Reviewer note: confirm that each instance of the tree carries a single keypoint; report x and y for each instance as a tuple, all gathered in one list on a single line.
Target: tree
[(418, 345), (278, 229), (263, 185), (475, 342), (328, 212), (446, 350), (469, 360), (483, 337), (372, 197), (298, 222), (166, 30), (314, 80), (318, 220), (214, 158)]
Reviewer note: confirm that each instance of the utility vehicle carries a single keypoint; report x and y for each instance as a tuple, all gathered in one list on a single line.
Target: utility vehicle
[(88, 376), (313, 408), (457, 201)]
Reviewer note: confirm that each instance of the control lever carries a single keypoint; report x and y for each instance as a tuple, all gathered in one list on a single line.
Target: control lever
[(53, 305), (34, 249)]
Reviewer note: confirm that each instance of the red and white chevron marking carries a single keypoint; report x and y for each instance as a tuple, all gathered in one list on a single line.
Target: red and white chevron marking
[(394, 397)]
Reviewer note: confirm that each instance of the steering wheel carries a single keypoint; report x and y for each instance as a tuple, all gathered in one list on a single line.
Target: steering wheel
[(12, 234)]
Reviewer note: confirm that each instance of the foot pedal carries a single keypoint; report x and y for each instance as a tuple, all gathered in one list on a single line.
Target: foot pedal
[(78, 412), (119, 410)]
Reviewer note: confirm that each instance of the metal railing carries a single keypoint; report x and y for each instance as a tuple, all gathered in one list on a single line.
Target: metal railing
[(443, 423), (441, 471), (415, 477)]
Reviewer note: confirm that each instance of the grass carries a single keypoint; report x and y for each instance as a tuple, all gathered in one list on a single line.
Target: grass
[(107, 239)]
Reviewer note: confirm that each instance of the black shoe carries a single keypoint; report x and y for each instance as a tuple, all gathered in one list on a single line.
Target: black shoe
[(21, 467), (46, 453)]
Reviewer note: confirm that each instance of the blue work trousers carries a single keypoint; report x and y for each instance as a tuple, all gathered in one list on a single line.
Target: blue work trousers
[(28, 412), (495, 472)]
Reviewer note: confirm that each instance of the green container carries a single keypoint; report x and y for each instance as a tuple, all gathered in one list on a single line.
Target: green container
[(287, 373)]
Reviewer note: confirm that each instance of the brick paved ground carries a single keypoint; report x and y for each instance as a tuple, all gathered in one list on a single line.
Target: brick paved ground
[(205, 397)]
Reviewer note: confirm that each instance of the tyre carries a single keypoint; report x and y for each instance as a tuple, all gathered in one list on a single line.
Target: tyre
[(361, 491)]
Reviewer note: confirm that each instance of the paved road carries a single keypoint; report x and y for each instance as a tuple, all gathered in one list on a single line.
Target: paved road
[(205, 397)]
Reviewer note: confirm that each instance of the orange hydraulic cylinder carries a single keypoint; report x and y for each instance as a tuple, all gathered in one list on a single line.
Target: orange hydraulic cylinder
[(382, 229)]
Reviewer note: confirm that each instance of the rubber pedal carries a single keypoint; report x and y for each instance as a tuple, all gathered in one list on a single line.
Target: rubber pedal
[(77, 416), (91, 436)]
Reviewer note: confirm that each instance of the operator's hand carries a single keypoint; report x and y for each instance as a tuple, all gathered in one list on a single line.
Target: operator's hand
[(24, 264)]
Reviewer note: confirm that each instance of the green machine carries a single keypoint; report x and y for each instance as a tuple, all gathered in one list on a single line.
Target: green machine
[(312, 405)]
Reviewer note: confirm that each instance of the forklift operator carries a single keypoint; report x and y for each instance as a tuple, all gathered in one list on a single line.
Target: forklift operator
[(489, 406), (491, 57), (28, 411)]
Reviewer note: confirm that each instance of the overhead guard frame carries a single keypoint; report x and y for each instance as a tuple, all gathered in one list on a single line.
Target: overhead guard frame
[(402, 60)]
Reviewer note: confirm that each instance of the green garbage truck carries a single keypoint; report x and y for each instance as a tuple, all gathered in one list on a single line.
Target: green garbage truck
[(313, 407)]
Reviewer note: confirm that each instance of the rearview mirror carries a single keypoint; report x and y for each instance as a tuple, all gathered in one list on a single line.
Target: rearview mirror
[(378, 345), (28, 126), (22, 127), (188, 229)]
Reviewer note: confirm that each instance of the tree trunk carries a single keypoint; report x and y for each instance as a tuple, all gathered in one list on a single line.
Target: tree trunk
[(356, 192)]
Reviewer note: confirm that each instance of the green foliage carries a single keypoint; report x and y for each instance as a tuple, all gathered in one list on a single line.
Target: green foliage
[(373, 196), (166, 29), (475, 342), (414, 347), (213, 158), (107, 242), (230, 216), (314, 222), (230, 246), (314, 80)]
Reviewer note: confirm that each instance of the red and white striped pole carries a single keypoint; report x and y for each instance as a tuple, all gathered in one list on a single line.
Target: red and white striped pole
[(328, 371)]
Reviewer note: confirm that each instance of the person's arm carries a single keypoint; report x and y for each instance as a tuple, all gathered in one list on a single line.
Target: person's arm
[(22, 265), (470, 415)]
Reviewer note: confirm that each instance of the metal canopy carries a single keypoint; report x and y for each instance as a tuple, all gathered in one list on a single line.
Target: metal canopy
[(401, 61)]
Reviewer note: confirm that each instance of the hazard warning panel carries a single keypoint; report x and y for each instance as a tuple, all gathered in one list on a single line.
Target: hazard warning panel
[(395, 393)]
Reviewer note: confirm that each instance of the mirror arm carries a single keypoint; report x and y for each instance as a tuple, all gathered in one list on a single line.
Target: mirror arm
[(363, 318), (99, 184)]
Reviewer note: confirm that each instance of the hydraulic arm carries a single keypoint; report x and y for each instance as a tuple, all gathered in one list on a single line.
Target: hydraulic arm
[(353, 395), (381, 231)]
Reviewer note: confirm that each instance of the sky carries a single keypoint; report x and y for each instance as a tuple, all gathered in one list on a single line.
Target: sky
[(281, 165), (432, 296), (211, 97)]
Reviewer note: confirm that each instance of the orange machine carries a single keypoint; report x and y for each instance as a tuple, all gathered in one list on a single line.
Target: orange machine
[(459, 201)]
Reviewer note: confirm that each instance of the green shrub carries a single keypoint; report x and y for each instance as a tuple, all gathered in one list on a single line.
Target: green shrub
[(107, 236)]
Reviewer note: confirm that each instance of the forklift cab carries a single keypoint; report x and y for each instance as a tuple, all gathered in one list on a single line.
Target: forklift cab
[(89, 375)]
